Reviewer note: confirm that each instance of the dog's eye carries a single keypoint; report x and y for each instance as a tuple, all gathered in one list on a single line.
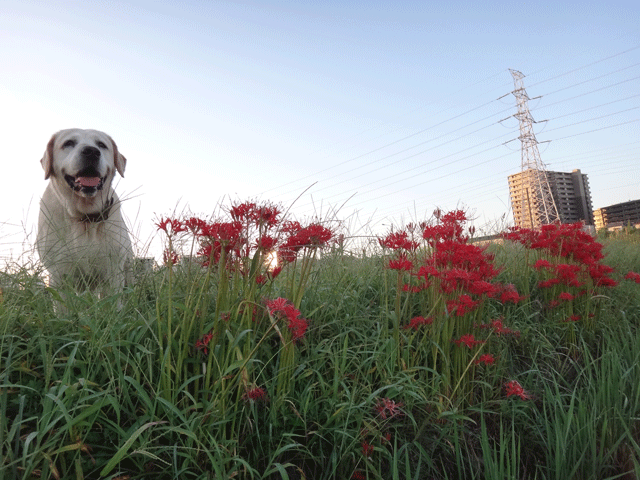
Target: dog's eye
[(69, 144), (101, 145)]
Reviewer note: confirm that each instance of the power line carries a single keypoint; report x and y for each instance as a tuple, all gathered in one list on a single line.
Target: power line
[(386, 165), (598, 129), (432, 180), (396, 141), (350, 179), (385, 146), (368, 168), (590, 92), (586, 66)]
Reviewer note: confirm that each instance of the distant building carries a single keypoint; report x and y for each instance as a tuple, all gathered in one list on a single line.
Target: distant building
[(570, 192), (618, 215)]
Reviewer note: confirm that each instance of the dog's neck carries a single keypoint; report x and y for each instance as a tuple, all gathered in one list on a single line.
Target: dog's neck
[(99, 216)]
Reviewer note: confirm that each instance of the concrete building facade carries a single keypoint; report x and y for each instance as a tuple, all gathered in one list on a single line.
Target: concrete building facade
[(570, 192), (618, 215)]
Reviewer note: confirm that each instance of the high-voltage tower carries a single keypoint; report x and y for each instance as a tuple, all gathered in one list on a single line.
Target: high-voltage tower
[(536, 205)]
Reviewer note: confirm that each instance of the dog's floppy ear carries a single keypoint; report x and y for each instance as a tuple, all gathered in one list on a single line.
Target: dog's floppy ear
[(118, 159), (47, 160)]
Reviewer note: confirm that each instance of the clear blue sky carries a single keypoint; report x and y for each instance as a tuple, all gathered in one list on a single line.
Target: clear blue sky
[(385, 109)]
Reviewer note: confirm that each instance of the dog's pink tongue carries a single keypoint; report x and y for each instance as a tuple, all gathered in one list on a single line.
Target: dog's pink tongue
[(88, 181)]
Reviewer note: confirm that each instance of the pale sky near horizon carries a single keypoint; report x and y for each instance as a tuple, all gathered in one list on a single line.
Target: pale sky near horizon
[(372, 113)]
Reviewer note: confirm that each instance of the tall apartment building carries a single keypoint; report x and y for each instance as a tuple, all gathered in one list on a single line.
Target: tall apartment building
[(618, 215), (570, 193)]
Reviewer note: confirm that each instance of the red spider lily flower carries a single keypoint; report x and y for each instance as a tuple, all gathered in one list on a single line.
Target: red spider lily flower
[(218, 237), (258, 215), (242, 211), (171, 226), (549, 283), (606, 282), (520, 235), (514, 388), (480, 287), (567, 274), (542, 263), (210, 252), (314, 235), (566, 296), (318, 235), (428, 271), (463, 305), (462, 271), (367, 450), (291, 227), (195, 225), (486, 359), (169, 257), (400, 263), (450, 225), (633, 276), (509, 294), (358, 475), (455, 279), (571, 242), (290, 311), (277, 305), (268, 214), (573, 318), (311, 237), (266, 243), (226, 232), (275, 272), (203, 343), (469, 340), (458, 254), (598, 272), (415, 288), (386, 438), (256, 394), (436, 234), (498, 327), (297, 326), (454, 216), (387, 408), (415, 322), (287, 254), (398, 241)]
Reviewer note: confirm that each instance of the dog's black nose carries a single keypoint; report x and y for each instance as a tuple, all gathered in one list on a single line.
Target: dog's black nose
[(90, 157), (90, 153)]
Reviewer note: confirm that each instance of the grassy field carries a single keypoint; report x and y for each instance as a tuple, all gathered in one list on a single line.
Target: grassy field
[(432, 358)]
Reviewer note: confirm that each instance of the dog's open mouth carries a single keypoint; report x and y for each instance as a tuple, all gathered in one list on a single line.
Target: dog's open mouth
[(85, 183)]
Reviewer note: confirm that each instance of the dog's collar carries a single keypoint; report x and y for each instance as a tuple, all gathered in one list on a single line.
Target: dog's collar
[(100, 216)]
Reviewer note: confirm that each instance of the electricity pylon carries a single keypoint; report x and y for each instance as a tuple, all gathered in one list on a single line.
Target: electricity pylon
[(537, 205)]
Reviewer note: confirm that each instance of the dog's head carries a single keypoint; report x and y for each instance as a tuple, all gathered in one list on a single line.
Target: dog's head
[(83, 161)]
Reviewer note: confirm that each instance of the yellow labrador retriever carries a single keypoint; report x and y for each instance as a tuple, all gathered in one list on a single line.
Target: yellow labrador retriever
[(82, 238)]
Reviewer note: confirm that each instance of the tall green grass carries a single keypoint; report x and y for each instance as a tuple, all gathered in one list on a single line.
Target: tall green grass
[(99, 392)]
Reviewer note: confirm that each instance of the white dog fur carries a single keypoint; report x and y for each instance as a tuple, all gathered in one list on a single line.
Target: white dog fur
[(82, 238)]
